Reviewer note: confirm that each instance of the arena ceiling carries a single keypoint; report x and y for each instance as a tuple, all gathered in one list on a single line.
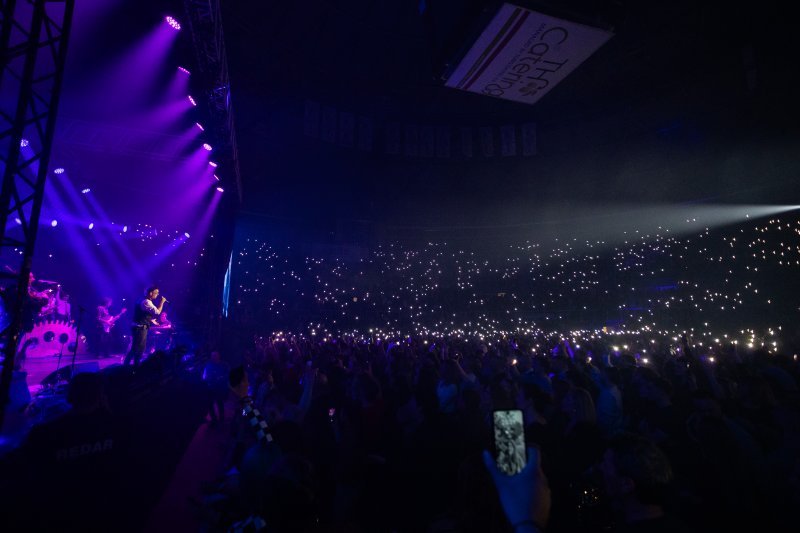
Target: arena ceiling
[(683, 93)]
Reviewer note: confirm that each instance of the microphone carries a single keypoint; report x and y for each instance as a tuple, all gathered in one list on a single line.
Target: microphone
[(166, 301)]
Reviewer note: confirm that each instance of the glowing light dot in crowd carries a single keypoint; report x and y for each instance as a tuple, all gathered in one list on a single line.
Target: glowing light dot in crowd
[(173, 23)]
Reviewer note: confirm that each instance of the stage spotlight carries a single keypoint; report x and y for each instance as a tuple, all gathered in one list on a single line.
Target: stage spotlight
[(24, 142), (216, 177), (59, 170), (220, 189), (185, 71), (124, 229), (200, 126), (207, 146), (191, 100), (174, 24), (91, 225), (213, 164), (86, 190), (54, 223)]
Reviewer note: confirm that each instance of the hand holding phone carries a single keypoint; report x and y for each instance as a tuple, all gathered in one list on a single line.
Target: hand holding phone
[(525, 497)]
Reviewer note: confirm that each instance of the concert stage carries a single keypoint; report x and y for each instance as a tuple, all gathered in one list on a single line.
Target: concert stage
[(50, 348), (45, 368)]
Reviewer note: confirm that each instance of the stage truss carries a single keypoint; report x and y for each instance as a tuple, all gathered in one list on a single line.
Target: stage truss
[(33, 42)]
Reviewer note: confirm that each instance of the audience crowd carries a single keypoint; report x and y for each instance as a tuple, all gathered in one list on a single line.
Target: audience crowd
[(657, 381), (724, 280), (676, 410), (355, 435)]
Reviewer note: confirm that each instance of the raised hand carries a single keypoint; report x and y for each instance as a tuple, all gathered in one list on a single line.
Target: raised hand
[(525, 497)]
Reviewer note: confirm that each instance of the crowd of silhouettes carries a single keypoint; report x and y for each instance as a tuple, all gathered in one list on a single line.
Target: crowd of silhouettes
[(355, 436)]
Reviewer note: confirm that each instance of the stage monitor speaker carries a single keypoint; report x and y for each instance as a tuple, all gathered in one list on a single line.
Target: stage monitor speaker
[(92, 366), (63, 374)]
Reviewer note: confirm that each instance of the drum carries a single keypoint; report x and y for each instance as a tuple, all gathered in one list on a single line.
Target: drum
[(49, 309), (50, 338), (62, 309)]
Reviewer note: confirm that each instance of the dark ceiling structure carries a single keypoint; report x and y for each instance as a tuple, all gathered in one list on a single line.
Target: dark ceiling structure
[(686, 102), (680, 82)]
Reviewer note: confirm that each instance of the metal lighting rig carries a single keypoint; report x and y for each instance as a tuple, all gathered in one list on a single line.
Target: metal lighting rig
[(33, 51), (204, 21)]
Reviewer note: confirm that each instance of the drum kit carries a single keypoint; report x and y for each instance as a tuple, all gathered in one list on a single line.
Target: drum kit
[(57, 306), (54, 338), (54, 332)]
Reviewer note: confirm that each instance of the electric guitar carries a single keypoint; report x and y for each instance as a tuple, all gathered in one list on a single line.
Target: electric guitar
[(109, 322)]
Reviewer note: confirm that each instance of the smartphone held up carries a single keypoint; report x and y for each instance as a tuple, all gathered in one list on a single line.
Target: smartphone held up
[(509, 441)]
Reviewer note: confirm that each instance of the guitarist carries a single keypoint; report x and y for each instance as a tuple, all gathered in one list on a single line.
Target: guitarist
[(104, 324)]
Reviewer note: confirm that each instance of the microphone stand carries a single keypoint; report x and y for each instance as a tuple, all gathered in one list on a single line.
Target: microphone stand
[(77, 340), (58, 367)]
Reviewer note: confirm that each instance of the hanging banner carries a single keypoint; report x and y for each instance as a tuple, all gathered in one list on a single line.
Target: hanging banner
[(529, 139), (508, 140), (466, 142), (427, 141), (443, 141), (393, 138), (347, 125), (311, 119), (411, 144), (328, 129), (522, 54), (364, 134), (487, 141)]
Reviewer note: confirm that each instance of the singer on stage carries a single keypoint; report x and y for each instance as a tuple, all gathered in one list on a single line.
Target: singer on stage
[(145, 313)]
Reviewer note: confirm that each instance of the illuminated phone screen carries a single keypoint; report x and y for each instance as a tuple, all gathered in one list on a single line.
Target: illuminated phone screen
[(509, 441)]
